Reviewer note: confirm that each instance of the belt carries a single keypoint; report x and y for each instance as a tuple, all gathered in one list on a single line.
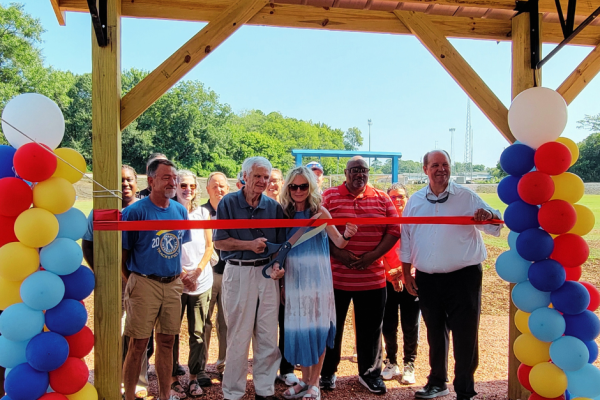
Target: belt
[(250, 263), (161, 279)]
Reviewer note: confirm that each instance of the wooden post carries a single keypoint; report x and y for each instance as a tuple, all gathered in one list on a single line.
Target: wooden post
[(523, 77), (106, 139)]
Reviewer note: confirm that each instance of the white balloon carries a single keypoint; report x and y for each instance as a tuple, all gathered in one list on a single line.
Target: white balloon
[(537, 115), (35, 115)]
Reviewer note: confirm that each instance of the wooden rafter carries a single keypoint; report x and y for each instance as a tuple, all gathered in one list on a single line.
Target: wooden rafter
[(581, 76), (60, 14), (466, 77), (145, 93)]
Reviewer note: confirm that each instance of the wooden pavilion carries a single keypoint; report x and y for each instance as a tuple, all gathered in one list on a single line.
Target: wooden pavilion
[(525, 23)]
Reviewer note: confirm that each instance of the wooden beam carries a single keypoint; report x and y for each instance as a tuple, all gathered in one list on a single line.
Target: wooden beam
[(581, 76), (458, 68), (337, 19), (145, 93), (60, 14), (106, 141)]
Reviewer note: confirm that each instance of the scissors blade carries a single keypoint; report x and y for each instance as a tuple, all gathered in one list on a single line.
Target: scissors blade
[(310, 234), (301, 231)]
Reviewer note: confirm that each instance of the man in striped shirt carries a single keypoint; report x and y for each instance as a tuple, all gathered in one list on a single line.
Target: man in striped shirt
[(359, 274)]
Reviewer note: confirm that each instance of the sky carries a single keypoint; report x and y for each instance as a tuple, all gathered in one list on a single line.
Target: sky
[(342, 79)]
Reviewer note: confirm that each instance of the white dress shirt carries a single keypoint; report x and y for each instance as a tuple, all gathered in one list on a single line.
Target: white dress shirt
[(445, 248)]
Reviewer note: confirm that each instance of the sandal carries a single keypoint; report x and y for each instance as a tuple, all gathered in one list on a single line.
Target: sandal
[(195, 391), (178, 389), (291, 393), (312, 395)]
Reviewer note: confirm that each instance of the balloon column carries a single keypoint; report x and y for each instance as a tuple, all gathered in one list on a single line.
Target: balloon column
[(556, 312), (42, 281)]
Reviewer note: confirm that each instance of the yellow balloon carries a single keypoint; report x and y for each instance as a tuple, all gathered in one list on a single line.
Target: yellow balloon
[(572, 147), (567, 186), (64, 170), (522, 321), (56, 195), (531, 351), (548, 380), (36, 227), (87, 393), (585, 220), (581, 398), (18, 261), (9, 293)]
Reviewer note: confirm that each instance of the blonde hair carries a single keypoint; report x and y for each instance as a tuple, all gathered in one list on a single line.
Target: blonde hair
[(195, 202), (314, 197)]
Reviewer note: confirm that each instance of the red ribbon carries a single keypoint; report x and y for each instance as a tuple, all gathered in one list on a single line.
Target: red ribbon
[(110, 220)]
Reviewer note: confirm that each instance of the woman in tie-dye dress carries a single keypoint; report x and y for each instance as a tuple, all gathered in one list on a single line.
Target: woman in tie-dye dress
[(308, 287)]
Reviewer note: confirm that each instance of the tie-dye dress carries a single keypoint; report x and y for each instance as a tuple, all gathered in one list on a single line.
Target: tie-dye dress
[(309, 304)]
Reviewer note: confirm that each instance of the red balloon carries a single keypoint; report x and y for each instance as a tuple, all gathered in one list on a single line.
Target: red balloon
[(53, 396), (15, 197), (570, 250), (557, 216), (552, 158), (574, 273), (523, 376), (535, 187), (81, 343), (535, 396), (594, 296), (34, 163), (7, 230), (70, 377)]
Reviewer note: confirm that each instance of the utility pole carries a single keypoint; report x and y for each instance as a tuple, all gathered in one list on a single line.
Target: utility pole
[(469, 144), (369, 123), (451, 146)]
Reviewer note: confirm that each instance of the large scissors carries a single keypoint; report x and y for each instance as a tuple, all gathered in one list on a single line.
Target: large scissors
[(297, 238)]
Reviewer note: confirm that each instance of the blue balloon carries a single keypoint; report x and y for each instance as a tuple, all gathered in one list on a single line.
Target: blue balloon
[(71, 224), (567, 395), (569, 353), (517, 159), (571, 298), (520, 216), (547, 275), (63, 256), (7, 154), (546, 324), (80, 284), (593, 349), (12, 353), (584, 326), (67, 318), (535, 244), (511, 267), (507, 189), (528, 299), (512, 239), (585, 382), (47, 351), (42, 290), (26, 383), (20, 322)]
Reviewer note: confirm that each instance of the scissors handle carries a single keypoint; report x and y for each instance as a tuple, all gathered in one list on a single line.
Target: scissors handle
[(280, 258)]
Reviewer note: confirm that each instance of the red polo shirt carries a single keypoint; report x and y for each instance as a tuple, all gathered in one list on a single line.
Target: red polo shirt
[(372, 203)]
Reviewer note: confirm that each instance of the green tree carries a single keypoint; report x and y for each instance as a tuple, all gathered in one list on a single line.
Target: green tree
[(588, 164), (590, 122), (353, 139)]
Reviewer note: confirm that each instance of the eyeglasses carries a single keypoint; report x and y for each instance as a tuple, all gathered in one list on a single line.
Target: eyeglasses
[(359, 170), (185, 186), (316, 169), (303, 187), (397, 197)]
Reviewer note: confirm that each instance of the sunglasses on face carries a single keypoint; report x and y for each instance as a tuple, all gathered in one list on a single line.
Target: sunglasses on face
[(303, 187), (358, 170), (185, 186)]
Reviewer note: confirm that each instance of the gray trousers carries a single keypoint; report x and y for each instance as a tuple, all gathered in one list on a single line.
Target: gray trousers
[(217, 300), (251, 305)]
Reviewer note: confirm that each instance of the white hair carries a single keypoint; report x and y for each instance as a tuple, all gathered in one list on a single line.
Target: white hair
[(251, 162)]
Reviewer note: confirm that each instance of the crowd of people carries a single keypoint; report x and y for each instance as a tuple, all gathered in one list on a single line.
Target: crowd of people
[(295, 319)]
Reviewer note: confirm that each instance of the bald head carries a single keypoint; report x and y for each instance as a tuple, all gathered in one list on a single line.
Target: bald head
[(429, 154)]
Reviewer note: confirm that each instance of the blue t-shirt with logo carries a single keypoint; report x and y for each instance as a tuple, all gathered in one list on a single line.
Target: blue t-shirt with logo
[(155, 252)]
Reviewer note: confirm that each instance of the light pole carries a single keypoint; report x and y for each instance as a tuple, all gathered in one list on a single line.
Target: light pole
[(451, 145), (369, 123)]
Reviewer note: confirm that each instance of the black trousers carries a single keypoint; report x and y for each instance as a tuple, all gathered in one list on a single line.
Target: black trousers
[(452, 302), (368, 310), (409, 320), (284, 367)]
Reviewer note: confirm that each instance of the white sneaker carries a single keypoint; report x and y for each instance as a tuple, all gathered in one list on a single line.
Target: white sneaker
[(408, 376), (390, 371), (289, 379)]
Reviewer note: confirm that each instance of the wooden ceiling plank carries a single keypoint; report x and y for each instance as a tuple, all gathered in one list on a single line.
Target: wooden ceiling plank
[(60, 14), (581, 76), (466, 77), (145, 93)]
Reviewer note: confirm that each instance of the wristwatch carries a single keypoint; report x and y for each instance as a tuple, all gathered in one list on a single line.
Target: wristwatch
[(345, 238)]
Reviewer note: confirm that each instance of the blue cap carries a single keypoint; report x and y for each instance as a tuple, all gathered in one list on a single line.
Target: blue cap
[(315, 164)]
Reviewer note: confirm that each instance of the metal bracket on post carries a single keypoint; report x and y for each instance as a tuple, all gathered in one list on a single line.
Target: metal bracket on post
[(532, 8), (98, 14)]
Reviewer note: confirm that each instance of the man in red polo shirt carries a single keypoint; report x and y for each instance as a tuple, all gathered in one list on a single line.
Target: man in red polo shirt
[(359, 274)]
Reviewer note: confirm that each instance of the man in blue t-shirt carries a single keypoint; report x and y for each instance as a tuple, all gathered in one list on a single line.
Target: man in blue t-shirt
[(152, 265)]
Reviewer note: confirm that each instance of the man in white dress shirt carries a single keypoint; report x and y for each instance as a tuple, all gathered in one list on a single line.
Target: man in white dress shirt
[(448, 278)]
